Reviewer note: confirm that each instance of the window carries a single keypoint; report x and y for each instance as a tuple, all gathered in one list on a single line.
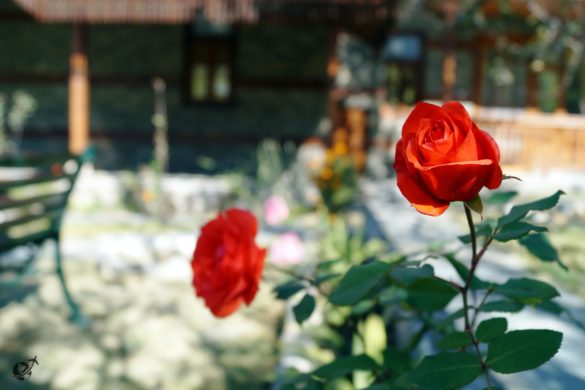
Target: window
[(210, 64), (404, 56)]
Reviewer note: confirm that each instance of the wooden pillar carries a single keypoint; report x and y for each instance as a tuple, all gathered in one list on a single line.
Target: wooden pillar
[(78, 92), (449, 76), (356, 125), (562, 89), (531, 89)]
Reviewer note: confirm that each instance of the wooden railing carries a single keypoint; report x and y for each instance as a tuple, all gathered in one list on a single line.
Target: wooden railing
[(533, 140)]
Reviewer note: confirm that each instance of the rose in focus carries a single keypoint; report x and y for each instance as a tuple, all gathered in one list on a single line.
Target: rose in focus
[(227, 263), (444, 157)]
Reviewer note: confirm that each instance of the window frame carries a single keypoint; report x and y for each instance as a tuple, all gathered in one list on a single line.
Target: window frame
[(211, 42)]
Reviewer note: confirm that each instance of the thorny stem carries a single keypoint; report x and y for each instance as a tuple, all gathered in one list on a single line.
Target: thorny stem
[(475, 257)]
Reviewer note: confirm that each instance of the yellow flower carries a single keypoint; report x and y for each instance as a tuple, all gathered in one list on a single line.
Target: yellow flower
[(326, 173), (340, 149)]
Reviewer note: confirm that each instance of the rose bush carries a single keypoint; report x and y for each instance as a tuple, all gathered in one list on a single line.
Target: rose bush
[(444, 157), (227, 264), (388, 319)]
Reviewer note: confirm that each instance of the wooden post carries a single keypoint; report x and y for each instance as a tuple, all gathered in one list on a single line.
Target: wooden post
[(531, 89), (449, 76), (78, 92)]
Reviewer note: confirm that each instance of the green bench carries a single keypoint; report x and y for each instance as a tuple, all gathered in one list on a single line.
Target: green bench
[(34, 190)]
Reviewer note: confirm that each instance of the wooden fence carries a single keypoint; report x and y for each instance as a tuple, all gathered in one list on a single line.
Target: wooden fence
[(534, 140)]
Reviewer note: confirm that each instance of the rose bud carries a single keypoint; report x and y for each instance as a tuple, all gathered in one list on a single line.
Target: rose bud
[(444, 157), (227, 263)]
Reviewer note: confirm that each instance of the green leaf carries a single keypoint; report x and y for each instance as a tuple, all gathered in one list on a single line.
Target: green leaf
[(522, 350), (501, 197), (447, 321), (517, 230), (540, 246), (326, 264), (481, 230), (288, 289), (463, 272), (357, 282), (324, 278), (489, 329), (502, 306), (408, 275), (392, 295), (454, 340), (551, 307), (430, 294), (396, 361), (304, 308), (446, 370), (380, 386), (520, 211), (346, 365), (476, 204), (362, 307), (525, 290)]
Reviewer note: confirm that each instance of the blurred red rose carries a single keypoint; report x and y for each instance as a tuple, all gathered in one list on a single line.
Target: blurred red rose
[(227, 264), (444, 157)]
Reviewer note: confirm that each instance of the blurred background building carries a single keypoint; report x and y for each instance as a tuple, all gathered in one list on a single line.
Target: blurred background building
[(242, 71)]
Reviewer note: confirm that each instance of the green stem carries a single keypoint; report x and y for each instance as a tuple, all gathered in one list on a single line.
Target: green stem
[(298, 276), (478, 308), (474, 261)]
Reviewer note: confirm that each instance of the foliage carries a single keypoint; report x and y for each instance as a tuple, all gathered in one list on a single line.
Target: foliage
[(13, 118), (337, 179), (372, 296)]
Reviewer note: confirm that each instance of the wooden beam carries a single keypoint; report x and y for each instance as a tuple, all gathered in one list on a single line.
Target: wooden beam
[(78, 92)]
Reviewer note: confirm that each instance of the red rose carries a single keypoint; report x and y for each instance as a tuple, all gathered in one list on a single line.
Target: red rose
[(227, 264), (444, 157)]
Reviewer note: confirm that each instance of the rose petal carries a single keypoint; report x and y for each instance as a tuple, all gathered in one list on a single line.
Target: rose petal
[(460, 181), (413, 189), (419, 197), (225, 308), (436, 151), (487, 145), (458, 114), (244, 219), (467, 150), (488, 148), (255, 274), (420, 111)]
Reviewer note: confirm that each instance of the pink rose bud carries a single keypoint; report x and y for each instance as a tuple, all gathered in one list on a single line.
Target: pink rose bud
[(288, 249), (275, 210)]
